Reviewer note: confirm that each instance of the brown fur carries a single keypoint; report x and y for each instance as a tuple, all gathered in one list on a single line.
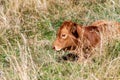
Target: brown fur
[(71, 36)]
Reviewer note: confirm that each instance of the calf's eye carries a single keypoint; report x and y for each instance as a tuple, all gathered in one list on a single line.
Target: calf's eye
[(64, 36)]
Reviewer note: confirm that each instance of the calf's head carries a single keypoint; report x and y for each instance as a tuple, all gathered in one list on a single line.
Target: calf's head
[(66, 36)]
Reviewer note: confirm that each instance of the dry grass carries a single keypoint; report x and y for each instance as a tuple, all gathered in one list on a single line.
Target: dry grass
[(27, 29)]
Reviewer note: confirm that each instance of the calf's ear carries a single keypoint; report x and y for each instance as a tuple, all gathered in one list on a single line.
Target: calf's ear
[(74, 30)]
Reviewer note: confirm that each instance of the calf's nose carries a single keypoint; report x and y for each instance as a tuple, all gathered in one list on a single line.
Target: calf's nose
[(53, 47)]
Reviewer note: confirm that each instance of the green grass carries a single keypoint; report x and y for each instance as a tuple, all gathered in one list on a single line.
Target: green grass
[(28, 28)]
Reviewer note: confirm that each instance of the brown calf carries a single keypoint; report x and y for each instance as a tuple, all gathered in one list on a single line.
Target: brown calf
[(71, 36)]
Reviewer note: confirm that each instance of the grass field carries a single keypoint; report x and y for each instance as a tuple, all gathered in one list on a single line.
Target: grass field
[(28, 28)]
